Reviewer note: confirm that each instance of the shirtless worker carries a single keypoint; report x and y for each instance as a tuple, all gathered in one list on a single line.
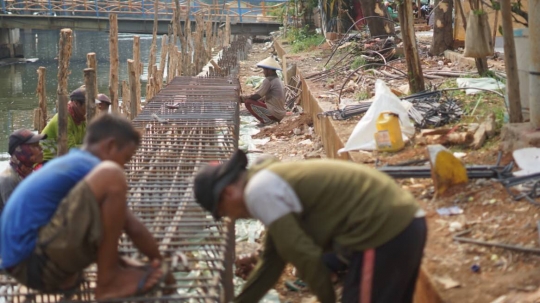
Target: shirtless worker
[(268, 103), (72, 213), (315, 207)]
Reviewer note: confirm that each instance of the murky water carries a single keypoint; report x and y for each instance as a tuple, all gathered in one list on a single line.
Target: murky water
[(18, 82)]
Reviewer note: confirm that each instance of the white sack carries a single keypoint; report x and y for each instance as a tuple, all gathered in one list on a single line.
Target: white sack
[(485, 83), (384, 100)]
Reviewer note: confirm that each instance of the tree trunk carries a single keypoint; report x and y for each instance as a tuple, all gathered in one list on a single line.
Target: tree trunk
[(414, 67), (377, 27), (443, 31)]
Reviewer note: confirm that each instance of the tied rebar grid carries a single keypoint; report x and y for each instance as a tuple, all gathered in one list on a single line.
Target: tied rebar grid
[(191, 122)]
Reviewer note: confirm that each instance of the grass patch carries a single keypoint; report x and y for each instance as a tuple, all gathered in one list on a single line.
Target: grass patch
[(358, 61), (302, 39), (362, 94), (477, 107)]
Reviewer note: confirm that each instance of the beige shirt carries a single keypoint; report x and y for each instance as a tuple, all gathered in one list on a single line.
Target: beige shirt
[(274, 96)]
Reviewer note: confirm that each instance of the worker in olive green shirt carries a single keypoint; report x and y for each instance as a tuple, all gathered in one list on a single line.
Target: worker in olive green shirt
[(76, 127), (318, 207)]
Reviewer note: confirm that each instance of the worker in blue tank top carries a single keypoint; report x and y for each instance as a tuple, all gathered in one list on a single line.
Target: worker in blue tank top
[(72, 212)]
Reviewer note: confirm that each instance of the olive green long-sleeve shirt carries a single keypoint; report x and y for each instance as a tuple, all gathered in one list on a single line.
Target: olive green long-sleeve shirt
[(318, 206), (75, 136)]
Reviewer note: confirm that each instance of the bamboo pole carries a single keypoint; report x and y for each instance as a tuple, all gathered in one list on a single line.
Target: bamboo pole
[(414, 67), (138, 69), (172, 55), (534, 68), (42, 96), (510, 62), (91, 62), (91, 93), (126, 99), (178, 62), (132, 73), (227, 38), (163, 59), (62, 92), (153, 48), (113, 71)]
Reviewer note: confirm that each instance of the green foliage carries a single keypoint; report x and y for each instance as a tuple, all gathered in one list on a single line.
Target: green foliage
[(302, 39), (358, 61), (362, 95)]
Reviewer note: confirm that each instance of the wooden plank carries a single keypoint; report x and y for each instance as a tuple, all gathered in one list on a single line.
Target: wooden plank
[(113, 70)]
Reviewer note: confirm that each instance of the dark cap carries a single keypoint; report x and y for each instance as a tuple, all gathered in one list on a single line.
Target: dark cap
[(23, 136), (78, 95), (212, 179), (102, 98)]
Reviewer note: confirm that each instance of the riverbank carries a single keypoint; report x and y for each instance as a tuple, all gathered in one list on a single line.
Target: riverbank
[(487, 208)]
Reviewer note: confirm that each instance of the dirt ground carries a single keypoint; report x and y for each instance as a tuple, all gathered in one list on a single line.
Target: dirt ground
[(461, 272)]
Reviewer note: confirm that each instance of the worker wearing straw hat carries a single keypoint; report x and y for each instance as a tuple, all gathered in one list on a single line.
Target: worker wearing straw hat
[(268, 103)]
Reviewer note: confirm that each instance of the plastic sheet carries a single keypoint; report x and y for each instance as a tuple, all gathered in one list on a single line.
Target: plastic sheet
[(484, 83), (528, 159), (384, 100)]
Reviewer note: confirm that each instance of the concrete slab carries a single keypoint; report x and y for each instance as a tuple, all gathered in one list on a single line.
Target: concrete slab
[(519, 135), (457, 57)]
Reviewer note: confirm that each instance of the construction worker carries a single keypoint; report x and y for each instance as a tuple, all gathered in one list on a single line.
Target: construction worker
[(103, 103), (76, 126), (268, 103), (72, 213), (25, 153), (316, 207)]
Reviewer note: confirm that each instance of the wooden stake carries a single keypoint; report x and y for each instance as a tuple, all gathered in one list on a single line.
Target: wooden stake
[(152, 60), (510, 62), (126, 99), (42, 96), (113, 71), (172, 55), (227, 37), (91, 62), (162, 61), (63, 71), (414, 67), (132, 73), (138, 70), (91, 89)]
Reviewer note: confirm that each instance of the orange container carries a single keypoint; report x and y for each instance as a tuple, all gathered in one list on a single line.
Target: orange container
[(388, 136)]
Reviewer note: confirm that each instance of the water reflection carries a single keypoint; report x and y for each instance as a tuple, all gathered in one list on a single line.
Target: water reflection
[(18, 82)]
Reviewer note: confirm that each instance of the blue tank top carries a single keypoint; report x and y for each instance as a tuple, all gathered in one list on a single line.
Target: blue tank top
[(35, 200)]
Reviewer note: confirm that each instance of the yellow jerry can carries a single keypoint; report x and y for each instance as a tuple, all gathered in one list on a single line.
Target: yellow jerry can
[(388, 136)]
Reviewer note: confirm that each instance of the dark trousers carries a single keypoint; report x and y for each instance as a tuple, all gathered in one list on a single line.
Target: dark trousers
[(388, 273)]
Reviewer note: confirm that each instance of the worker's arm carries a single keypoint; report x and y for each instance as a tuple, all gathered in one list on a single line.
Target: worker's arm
[(262, 91), (295, 246), (141, 237), (49, 145), (264, 276)]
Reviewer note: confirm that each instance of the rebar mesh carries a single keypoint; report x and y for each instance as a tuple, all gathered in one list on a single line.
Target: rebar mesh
[(203, 126)]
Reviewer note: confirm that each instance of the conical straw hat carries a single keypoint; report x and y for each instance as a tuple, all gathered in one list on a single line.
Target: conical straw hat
[(269, 63)]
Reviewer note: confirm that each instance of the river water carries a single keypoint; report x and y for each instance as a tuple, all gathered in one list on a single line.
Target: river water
[(18, 82)]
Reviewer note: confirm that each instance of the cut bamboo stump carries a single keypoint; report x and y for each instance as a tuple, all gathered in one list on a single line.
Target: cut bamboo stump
[(113, 71), (126, 100), (91, 93), (138, 69), (62, 92), (132, 73), (42, 96), (163, 59)]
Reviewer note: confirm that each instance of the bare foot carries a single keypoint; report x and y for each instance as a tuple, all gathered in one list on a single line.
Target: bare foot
[(124, 282), (126, 262)]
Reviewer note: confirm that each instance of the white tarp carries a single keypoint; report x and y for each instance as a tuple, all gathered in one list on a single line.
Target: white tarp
[(485, 83), (528, 159), (362, 137)]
